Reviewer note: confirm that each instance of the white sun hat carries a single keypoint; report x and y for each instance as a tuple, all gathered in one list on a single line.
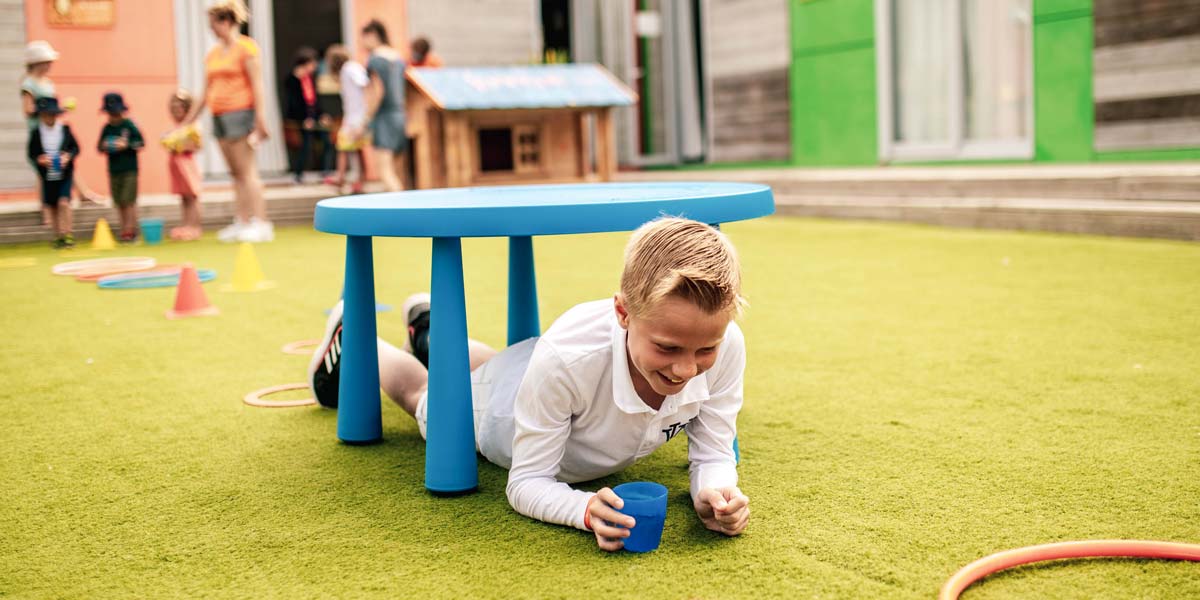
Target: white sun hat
[(39, 51)]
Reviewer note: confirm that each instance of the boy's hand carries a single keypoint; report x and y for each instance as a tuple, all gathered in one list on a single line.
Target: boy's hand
[(601, 510), (726, 510), (120, 144), (66, 157), (44, 160)]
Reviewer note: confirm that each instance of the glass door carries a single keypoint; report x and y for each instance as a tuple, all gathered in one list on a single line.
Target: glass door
[(651, 45), (954, 79)]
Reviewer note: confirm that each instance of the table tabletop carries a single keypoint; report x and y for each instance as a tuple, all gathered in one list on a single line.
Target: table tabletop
[(528, 210)]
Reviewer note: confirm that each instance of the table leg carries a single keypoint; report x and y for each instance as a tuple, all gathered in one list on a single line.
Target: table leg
[(359, 419), (523, 322), (737, 452), (450, 465)]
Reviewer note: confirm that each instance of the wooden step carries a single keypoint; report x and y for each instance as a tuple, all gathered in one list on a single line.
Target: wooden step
[(1142, 200)]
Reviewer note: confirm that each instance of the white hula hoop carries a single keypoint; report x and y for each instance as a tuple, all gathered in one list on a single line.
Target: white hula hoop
[(100, 265)]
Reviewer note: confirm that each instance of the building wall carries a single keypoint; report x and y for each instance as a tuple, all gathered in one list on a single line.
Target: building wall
[(393, 15), (833, 82), (479, 32), (15, 171), (1147, 77), (746, 58), (1062, 80), (96, 61), (834, 93)]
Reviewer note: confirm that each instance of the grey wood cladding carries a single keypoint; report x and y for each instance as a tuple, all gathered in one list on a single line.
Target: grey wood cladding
[(746, 60), (1146, 69), (15, 171)]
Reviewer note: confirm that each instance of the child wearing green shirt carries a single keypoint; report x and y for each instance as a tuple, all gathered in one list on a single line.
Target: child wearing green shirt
[(121, 141)]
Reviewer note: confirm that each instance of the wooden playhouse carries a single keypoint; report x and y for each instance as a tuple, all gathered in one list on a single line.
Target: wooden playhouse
[(507, 125)]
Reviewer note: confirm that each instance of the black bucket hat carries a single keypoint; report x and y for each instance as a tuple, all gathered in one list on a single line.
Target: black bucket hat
[(114, 103), (47, 105)]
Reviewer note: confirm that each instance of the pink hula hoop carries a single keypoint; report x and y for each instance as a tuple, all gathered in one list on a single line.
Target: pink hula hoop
[(1062, 550)]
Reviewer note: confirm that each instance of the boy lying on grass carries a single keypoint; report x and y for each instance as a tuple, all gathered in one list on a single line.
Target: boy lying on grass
[(607, 384)]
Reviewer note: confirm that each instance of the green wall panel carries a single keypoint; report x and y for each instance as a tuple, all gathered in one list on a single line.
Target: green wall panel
[(833, 108), (1042, 8), (1062, 79), (822, 23)]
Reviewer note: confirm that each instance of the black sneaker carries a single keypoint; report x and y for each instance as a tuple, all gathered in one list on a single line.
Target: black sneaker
[(416, 315), (326, 364)]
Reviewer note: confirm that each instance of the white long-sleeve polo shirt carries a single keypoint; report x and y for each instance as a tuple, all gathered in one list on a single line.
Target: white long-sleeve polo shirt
[(577, 416)]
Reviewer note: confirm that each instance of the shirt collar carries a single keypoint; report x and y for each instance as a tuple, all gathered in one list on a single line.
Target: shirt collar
[(626, 397)]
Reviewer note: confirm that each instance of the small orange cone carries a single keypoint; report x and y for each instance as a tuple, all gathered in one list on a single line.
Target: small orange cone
[(190, 300), (102, 237)]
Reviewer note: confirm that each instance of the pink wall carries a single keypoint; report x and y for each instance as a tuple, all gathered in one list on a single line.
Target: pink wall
[(136, 57), (394, 17)]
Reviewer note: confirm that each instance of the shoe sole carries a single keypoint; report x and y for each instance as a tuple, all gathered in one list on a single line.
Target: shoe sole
[(406, 308)]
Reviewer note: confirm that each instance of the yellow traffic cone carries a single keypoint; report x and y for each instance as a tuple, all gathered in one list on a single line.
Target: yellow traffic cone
[(247, 274), (102, 237)]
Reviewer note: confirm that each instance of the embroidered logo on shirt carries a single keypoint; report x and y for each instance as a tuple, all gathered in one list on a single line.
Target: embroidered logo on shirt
[(674, 430)]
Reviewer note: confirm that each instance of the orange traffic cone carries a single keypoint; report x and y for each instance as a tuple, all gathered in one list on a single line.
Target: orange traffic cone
[(190, 300)]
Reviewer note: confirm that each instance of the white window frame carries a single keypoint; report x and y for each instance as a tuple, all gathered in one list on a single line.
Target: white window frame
[(957, 147)]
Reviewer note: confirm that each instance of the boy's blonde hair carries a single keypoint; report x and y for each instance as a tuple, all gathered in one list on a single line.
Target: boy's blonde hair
[(672, 256), (183, 97), (230, 10)]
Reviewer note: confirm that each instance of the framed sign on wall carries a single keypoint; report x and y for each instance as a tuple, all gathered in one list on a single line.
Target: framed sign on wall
[(80, 13)]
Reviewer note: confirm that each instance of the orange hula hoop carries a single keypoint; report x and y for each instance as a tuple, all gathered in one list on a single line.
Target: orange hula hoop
[(1064, 550)]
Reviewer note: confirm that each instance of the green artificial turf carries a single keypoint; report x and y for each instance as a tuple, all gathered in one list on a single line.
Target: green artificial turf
[(915, 398)]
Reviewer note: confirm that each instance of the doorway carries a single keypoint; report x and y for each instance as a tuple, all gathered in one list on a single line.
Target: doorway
[(193, 39), (315, 24), (654, 47)]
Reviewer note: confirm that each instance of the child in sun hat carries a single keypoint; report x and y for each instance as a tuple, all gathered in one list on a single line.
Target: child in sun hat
[(181, 144), (53, 148), (121, 141), (608, 383), (39, 58)]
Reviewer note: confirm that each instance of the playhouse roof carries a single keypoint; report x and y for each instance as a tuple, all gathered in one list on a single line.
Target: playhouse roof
[(533, 86)]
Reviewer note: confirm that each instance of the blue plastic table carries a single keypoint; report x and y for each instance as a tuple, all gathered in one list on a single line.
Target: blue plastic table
[(446, 216)]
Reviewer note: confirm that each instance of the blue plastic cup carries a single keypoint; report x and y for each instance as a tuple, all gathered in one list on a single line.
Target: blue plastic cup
[(152, 230), (646, 502)]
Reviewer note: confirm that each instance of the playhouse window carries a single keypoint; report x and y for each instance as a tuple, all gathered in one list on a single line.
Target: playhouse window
[(528, 148), (495, 149), (510, 149)]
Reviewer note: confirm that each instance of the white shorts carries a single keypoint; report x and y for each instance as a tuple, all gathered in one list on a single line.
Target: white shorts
[(493, 393)]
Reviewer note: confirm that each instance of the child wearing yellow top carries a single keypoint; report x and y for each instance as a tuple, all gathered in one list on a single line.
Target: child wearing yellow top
[(181, 144)]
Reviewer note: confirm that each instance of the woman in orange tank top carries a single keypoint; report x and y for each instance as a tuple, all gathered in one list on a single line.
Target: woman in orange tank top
[(234, 93)]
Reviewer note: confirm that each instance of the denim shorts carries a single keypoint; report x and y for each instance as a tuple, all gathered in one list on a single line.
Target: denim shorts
[(388, 131), (233, 125)]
